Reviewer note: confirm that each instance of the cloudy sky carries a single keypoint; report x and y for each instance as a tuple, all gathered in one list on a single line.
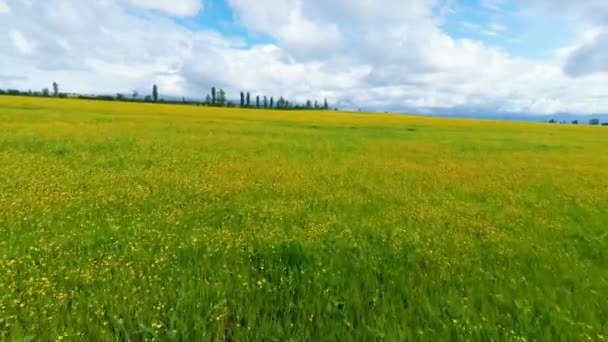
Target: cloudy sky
[(516, 56)]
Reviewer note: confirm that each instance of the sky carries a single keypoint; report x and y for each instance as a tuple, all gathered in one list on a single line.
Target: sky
[(416, 56)]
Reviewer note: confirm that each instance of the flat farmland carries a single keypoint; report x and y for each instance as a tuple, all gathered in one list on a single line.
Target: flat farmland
[(126, 221)]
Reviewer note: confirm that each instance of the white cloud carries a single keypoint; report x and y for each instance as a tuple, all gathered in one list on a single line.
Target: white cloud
[(22, 44), (185, 8), (494, 5), (471, 26), (412, 63), (497, 27), (4, 9), (285, 21), (303, 36), (356, 53), (490, 30)]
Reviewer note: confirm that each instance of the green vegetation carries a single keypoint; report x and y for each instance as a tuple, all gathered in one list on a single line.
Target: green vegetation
[(129, 221), (214, 99)]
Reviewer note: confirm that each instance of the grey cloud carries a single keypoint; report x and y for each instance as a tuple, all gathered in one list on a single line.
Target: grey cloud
[(13, 78), (590, 58), (63, 64), (588, 11)]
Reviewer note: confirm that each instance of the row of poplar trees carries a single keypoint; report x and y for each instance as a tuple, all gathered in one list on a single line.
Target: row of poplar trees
[(218, 98)]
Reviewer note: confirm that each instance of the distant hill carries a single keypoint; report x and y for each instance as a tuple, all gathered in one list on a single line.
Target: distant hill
[(466, 113), (582, 119)]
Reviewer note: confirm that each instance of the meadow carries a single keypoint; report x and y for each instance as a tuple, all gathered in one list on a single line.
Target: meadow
[(124, 221)]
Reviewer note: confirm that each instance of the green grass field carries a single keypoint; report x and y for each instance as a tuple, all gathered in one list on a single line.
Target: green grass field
[(127, 221)]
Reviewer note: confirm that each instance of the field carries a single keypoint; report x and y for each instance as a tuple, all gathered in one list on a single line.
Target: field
[(124, 221)]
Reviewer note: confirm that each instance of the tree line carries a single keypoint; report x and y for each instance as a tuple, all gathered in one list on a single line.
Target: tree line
[(44, 92), (215, 98), (592, 122)]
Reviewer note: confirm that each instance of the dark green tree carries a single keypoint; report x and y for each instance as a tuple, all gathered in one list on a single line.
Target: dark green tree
[(325, 104), (208, 100), (242, 99), (155, 93), (308, 104), (257, 101), (45, 92), (271, 102), (248, 100), (55, 89), (594, 122), (265, 102), (213, 96), (221, 97)]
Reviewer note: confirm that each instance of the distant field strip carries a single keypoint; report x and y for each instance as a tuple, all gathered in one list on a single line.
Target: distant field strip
[(123, 221)]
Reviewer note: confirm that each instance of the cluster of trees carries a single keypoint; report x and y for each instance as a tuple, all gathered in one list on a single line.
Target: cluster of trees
[(44, 92), (596, 122), (216, 98), (592, 122)]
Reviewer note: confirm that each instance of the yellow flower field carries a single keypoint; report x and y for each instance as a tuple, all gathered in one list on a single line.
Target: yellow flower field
[(124, 221)]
